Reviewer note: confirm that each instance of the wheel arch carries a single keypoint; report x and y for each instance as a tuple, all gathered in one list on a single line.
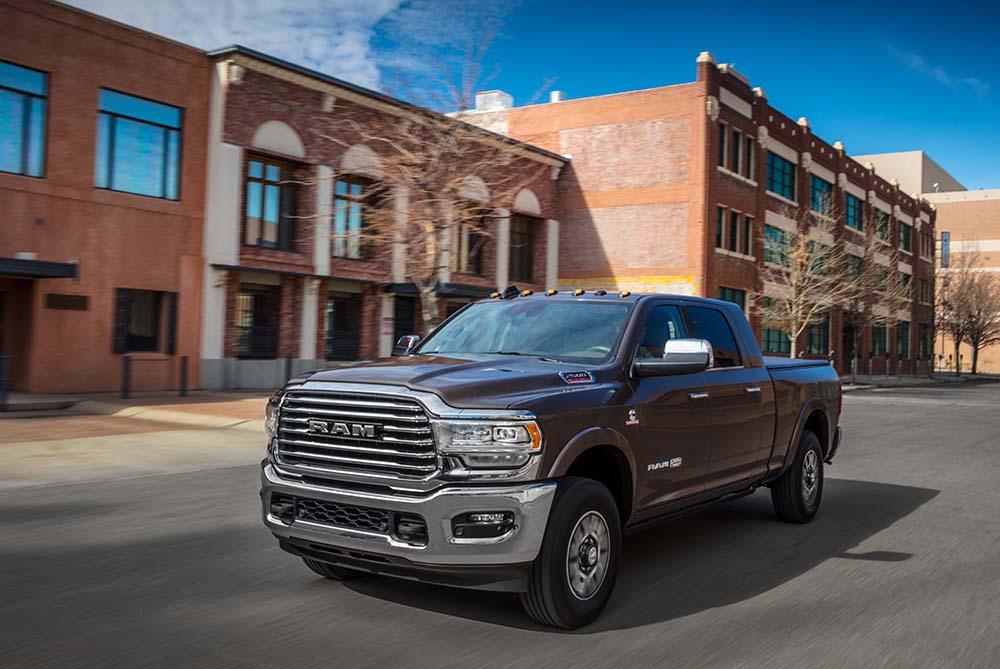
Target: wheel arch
[(602, 446)]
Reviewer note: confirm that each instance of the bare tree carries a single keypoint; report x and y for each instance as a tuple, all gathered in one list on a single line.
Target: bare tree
[(972, 306), (804, 276), (954, 301)]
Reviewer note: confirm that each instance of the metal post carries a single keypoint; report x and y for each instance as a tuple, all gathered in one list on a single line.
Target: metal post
[(126, 376), (184, 376), (4, 376), (288, 368)]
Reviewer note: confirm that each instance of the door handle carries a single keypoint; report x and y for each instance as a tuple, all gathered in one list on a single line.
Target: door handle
[(698, 395), (752, 389)]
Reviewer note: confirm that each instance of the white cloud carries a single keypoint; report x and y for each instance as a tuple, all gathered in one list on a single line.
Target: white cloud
[(917, 63), (332, 36)]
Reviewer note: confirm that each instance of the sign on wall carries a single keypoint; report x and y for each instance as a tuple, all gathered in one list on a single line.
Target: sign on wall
[(945, 248)]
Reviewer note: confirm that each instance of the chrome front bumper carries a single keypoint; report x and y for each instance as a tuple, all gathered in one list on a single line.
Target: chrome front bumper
[(529, 502)]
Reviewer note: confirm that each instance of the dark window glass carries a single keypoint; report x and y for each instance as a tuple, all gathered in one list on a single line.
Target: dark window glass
[(343, 327), (855, 212), (905, 237), (925, 341), (882, 225), (879, 341), (780, 176), (775, 245), (775, 341), (467, 245), (720, 222), (737, 145), (138, 146), (22, 120), (819, 337), (820, 195), (903, 340), (271, 200), (734, 230), (723, 131), (142, 319), (711, 325), (663, 323), (855, 264), (747, 236), (351, 202), (733, 295), (257, 309), (522, 249), (748, 159)]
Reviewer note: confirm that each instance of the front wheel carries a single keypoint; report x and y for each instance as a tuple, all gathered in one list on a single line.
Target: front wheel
[(575, 571), (797, 494)]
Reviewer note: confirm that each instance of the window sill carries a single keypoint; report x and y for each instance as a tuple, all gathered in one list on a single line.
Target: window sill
[(782, 198), (146, 355), (736, 175), (735, 254), (909, 253)]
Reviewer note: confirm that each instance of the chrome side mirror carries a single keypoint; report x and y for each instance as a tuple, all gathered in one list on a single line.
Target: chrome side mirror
[(405, 345), (680, 356)]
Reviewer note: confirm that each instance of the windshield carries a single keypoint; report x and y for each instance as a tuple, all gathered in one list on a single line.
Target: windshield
[(578, 330)]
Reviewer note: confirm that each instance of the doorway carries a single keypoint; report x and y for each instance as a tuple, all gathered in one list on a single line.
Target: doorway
[(847, 346), (403, 314)]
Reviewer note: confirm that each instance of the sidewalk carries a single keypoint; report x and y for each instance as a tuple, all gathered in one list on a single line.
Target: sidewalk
[(865, 382)]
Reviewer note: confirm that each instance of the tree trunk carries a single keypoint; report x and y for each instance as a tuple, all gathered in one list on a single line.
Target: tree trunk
[(975, 358), (958, 358), (429, 311), (794, 351)]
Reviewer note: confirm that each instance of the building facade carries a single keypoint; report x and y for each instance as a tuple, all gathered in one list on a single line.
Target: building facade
[(288, 283), (678, 189), (102, 170)]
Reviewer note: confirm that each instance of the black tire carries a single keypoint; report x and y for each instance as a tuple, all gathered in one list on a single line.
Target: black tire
[(332, 571), (792, 502), (550, 598)]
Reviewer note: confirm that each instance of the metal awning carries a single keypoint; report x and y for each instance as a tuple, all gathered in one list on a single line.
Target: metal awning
[(285, 272), (443, 290), (37, 269)]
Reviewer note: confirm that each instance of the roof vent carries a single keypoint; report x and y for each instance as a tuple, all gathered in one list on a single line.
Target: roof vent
[(557, 96), (493, 101)]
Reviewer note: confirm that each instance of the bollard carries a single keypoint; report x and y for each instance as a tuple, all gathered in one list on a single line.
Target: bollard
[(288, 369), (184, 376), (126, 376)]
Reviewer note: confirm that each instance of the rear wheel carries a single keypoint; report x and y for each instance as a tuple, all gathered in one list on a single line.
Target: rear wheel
[(332, 571), (797, 494), (574, 573)]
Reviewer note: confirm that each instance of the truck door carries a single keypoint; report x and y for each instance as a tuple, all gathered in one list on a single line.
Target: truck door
[(667, 420), (735, 395)]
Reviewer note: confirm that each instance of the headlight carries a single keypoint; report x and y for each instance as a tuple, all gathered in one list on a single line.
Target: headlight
[(271, 414), (488, 444)]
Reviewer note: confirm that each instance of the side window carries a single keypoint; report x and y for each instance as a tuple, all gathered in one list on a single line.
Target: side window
[(663, 322), (711, 325)]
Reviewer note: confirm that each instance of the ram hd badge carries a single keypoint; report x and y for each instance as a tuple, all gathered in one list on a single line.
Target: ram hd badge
[(577, 377)]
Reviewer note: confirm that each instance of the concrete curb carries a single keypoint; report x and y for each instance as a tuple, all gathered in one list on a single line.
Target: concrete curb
[(168, 416)]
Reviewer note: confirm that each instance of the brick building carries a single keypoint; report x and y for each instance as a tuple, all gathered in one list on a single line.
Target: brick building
[(676, 189), (102, 166), (287, 283)]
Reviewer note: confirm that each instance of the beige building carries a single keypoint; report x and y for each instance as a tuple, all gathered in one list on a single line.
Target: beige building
[(915, 171)]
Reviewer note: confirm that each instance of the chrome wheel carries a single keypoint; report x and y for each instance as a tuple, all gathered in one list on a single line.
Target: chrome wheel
[(588, 555), (810, 477)]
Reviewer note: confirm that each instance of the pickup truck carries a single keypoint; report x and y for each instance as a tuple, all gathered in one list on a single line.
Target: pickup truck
[(512, 448)]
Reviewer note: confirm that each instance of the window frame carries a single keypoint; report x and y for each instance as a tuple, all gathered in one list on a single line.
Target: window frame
[(854, 210), (720, 226), (779, 166), (826, 204), (781, 239), (822, 331), (880, 351), (693, 328), (908, 247), (883, 217), (26, 127), (366, 201), (462, 260), (903, 335), (726, 294), (528, 232), (283, 185), (110, 139)]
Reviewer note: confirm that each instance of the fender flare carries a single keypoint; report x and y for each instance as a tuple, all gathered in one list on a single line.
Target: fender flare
[(812, 405), (589, 438)]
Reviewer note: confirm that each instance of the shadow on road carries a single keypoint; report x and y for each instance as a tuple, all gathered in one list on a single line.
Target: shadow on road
[(725, 555)]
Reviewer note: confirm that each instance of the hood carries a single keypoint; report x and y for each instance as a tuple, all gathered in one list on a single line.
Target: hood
[(466, 381)]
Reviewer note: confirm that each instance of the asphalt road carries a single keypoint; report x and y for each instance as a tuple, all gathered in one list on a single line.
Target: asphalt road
[(900, 568)]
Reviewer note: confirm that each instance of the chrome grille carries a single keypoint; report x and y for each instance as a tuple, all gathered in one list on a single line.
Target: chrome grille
[(356, 433)]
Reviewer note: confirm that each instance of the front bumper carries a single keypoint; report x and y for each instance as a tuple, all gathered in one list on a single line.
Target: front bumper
[(472, 562)]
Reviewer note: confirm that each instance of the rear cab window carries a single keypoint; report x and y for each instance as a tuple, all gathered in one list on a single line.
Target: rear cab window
[(711, 324)]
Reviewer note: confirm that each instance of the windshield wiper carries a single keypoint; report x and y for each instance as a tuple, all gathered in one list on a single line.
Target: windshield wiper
[(527, 355)]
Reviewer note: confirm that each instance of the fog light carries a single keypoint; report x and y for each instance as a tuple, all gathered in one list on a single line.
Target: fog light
[(410, 528), (283, 508), (482, 524)]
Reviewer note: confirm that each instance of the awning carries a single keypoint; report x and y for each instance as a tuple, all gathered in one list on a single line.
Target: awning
[(37, 269), (443, 290), (285, 272)]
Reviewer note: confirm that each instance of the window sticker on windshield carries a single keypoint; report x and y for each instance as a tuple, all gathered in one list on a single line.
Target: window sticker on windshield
[(577, 377)]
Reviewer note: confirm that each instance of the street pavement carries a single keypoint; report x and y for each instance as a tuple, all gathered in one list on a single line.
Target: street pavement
[(164, 561)]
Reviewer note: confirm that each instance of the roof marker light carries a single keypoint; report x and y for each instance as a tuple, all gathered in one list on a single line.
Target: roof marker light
[(552, 291), (525, 293), (494, 295), (625, 293), (578, 291), (600, 292)]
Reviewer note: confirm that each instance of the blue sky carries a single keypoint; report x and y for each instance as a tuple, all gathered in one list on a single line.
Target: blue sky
[(877, 76)]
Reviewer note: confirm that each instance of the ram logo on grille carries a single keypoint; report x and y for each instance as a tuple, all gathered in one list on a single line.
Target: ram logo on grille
[(361, 430)]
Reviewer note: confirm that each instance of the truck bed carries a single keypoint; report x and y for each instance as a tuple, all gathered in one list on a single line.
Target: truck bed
[(778, 363)]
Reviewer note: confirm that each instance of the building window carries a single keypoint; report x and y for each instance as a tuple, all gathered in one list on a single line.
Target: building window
[(926, 245), (734, 295), (907, 282), (467, 243), (257, 312), (903, 340), (855, 213), (775, 245), (878, 341), (819, 337), (138, 320), (881, 278), (22, 120), (925, 341), (774, 340), (343, 327), (905, 237), (748, 164), (720, 222), (780, 176), (734, 230), (854, 266), (924, 293), (138, 146), (723, 132), (882, 225), (820, 195), (522, 249), (747, 236), (351, 199), (734, 154), (270, 204)]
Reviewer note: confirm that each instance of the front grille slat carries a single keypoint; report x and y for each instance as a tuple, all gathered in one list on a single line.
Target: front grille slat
[(368, 434)]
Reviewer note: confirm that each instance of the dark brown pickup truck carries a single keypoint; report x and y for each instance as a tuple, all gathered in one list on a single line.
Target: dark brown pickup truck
[(512, 448)]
